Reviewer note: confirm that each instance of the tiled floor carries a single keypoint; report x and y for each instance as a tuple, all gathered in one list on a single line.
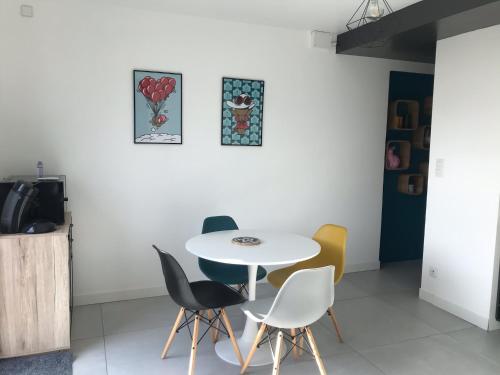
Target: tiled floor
[(387, 330)]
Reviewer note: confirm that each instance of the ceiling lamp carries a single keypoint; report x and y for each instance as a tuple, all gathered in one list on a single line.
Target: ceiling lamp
[(368, 11)]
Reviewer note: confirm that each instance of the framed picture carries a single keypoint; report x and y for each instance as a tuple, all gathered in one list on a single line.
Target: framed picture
[(157, 107), (242, 112)]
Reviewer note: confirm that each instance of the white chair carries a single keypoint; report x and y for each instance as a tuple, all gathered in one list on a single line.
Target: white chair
[(301, 301)]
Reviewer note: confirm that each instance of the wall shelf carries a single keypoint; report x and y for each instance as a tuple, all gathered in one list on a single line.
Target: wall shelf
[(411, 184), (411, 33), (396, 120), (421, 139), (402, 149)]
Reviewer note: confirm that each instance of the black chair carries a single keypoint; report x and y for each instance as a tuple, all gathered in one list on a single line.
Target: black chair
[(195, 298)]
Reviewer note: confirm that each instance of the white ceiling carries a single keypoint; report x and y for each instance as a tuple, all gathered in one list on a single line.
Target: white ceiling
[(326, 15)]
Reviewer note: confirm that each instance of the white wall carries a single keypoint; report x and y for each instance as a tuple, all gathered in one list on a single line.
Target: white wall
[(66, 99), (463, 205)]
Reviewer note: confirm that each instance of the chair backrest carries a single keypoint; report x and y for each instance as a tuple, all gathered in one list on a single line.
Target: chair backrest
[(303, 299), (176, 280), (218, 223), (215, 224), (333, 241)]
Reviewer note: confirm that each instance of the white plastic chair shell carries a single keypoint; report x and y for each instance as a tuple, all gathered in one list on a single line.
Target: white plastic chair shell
[(302, 300)]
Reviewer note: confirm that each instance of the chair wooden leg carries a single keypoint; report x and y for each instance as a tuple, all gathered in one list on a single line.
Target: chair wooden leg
[(213, 330), (301, 330), (231, 336), (254, 347), (277, 354), (314, 348), (294, 341), (173, 332), (194, 345), (331, 313), (216, 331)]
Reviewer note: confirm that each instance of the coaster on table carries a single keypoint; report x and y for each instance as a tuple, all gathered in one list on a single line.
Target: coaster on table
[(246, 241)]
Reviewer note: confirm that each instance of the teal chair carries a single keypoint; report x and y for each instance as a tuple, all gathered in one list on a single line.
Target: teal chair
[(228, 274)]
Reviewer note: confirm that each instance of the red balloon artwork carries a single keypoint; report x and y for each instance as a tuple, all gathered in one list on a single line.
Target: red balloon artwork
[(156, 92)]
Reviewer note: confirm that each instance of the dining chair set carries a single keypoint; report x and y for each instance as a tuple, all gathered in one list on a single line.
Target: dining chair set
[(306, 292)]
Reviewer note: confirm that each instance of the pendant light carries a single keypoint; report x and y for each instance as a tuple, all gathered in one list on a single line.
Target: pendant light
[(368, 11)]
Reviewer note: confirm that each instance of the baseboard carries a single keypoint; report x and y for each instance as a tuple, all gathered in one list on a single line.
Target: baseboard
[(494, 325), (465, 314), (358, 267), (118, 295), (122, 295)]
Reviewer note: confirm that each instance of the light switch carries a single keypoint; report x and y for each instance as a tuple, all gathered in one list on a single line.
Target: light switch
[(439, 172), (27, 10)]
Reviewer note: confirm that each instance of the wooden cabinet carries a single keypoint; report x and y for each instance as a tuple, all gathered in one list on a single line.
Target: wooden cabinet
[(35, 292)]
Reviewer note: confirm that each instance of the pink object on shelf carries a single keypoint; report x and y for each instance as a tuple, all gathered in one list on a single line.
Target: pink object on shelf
[(392, 160)]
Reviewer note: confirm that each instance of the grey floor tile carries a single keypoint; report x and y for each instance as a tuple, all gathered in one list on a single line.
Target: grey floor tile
[(139, 353), (350, 363), (437, 355), (428, 313), (236, 317), (327, 342), (369, 322), (87, 322), (89, 356), (347, 290), (483, 342), (382, 282), (409, 275), (265, 290), (138, 314), (379, 313)]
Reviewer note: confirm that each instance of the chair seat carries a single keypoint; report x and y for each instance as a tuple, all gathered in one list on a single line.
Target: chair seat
[(214, 295), (277, 278), (228, 274), (257, 310)]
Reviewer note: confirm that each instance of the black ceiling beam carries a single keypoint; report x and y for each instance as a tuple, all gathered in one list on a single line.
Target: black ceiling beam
[(412, 32)]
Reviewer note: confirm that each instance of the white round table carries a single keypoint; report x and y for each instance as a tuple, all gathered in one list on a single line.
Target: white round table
[(276, 249)]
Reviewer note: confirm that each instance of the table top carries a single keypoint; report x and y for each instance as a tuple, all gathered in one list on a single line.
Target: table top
[(276, 248)]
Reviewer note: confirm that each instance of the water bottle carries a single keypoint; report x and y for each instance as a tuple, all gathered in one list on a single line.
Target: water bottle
[(39, 169)]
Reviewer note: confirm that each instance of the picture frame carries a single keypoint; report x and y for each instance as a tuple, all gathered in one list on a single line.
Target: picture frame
[(157, 107), (242, 111)]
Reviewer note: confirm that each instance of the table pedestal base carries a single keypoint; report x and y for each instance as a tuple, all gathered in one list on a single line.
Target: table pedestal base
[(262, 356)]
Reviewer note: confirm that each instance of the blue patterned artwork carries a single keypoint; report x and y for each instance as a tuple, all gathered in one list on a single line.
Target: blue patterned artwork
[(242, 112)]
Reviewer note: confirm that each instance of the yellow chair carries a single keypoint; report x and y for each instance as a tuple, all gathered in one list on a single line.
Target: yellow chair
[(333, 240)]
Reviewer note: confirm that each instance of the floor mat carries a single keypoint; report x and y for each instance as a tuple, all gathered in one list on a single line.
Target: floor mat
[(56, 363)]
